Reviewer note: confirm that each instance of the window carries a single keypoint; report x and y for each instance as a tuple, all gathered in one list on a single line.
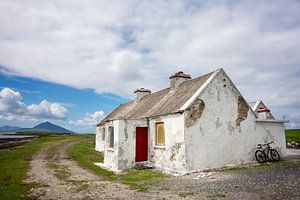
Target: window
[(159, 134), (111, 136), (103, 134)]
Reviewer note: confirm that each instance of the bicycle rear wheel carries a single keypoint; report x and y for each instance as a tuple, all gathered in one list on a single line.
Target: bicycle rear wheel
[(274, 155), (260, 156)]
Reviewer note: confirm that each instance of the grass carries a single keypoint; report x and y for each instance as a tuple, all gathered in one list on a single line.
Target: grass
[(13, 167), (216, 195), (41, 133), (141, 179), (292, 135), (62, 172), (59, 171), (85, 155), (185, 194)]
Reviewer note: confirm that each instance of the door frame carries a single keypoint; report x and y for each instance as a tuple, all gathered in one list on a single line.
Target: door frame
[(147, 144)]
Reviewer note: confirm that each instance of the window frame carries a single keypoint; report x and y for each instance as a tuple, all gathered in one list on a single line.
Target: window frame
[(111, 140), (103, 134), (156, 135)]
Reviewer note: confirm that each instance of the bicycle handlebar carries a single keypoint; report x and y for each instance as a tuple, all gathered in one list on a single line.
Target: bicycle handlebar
[(260, 145), (268, 143)]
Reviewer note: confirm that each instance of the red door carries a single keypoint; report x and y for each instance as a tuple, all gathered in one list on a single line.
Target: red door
[(141, 151)]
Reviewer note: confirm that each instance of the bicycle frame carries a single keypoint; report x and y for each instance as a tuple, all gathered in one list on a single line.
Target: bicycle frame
[(266, 150)]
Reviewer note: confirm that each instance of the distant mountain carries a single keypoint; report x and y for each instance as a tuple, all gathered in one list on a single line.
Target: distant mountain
[(42, 127), (9, 128), (51, 127)]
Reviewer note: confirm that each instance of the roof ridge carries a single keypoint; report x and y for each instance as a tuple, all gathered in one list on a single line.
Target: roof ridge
[(161, 102), (188, 81)]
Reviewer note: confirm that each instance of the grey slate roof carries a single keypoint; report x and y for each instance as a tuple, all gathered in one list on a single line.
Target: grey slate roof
[(158, 103)]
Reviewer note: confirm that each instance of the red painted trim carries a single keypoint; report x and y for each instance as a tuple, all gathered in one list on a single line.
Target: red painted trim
[(142, 90), (263, 110), (180, 76)]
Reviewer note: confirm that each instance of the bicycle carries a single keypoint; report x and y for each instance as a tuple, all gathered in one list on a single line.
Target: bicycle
[(262, 155)]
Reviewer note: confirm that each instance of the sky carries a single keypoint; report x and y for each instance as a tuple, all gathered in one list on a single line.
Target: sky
[(73, 62)]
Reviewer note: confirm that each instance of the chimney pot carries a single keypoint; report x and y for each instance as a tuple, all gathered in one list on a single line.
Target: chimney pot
[(178, 78), (264, 113), (140, 93)]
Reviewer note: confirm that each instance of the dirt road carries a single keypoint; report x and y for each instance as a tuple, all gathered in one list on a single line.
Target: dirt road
[(61, 178)]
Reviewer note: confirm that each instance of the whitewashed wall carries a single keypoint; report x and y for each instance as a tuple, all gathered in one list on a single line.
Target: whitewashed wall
[(99, 146), (170, 158), (272, 132), (215, 140), (111, 154), (127, 142)]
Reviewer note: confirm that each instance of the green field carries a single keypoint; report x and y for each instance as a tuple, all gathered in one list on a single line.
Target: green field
[(292, 135), (40, 133)]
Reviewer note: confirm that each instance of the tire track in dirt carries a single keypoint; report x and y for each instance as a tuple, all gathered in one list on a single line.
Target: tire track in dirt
[(59, 177), (77, 183)]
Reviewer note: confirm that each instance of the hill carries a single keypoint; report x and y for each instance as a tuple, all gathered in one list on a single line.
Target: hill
[(42, 127), (9, 128), (51, 127)]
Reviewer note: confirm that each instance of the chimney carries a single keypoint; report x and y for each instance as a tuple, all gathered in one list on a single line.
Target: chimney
[(264, 113), (178, 78), (140, 93)]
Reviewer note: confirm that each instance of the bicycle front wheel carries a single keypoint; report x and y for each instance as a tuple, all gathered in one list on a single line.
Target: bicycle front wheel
[(260, 156), (274, 155)]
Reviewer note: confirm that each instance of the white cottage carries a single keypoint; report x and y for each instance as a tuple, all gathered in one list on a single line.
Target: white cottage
[(194, 124)]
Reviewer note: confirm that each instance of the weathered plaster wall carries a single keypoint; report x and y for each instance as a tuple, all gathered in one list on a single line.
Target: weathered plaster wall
[(271, 131), (171, 157), (226, 132), (111, 154), (99, 142), (127, 142)]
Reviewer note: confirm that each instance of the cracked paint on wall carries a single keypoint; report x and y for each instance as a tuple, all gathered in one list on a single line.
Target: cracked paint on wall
[(194, 112), (243, 109), (175, 150)]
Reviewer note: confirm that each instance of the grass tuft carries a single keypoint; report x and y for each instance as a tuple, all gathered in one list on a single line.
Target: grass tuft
[(85, 155)]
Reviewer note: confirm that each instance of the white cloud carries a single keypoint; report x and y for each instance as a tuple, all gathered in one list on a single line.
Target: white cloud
[(10, 101), (121, 45), (17, 117), (47, 110), (90, 119), (294, 120), (12, 108)]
